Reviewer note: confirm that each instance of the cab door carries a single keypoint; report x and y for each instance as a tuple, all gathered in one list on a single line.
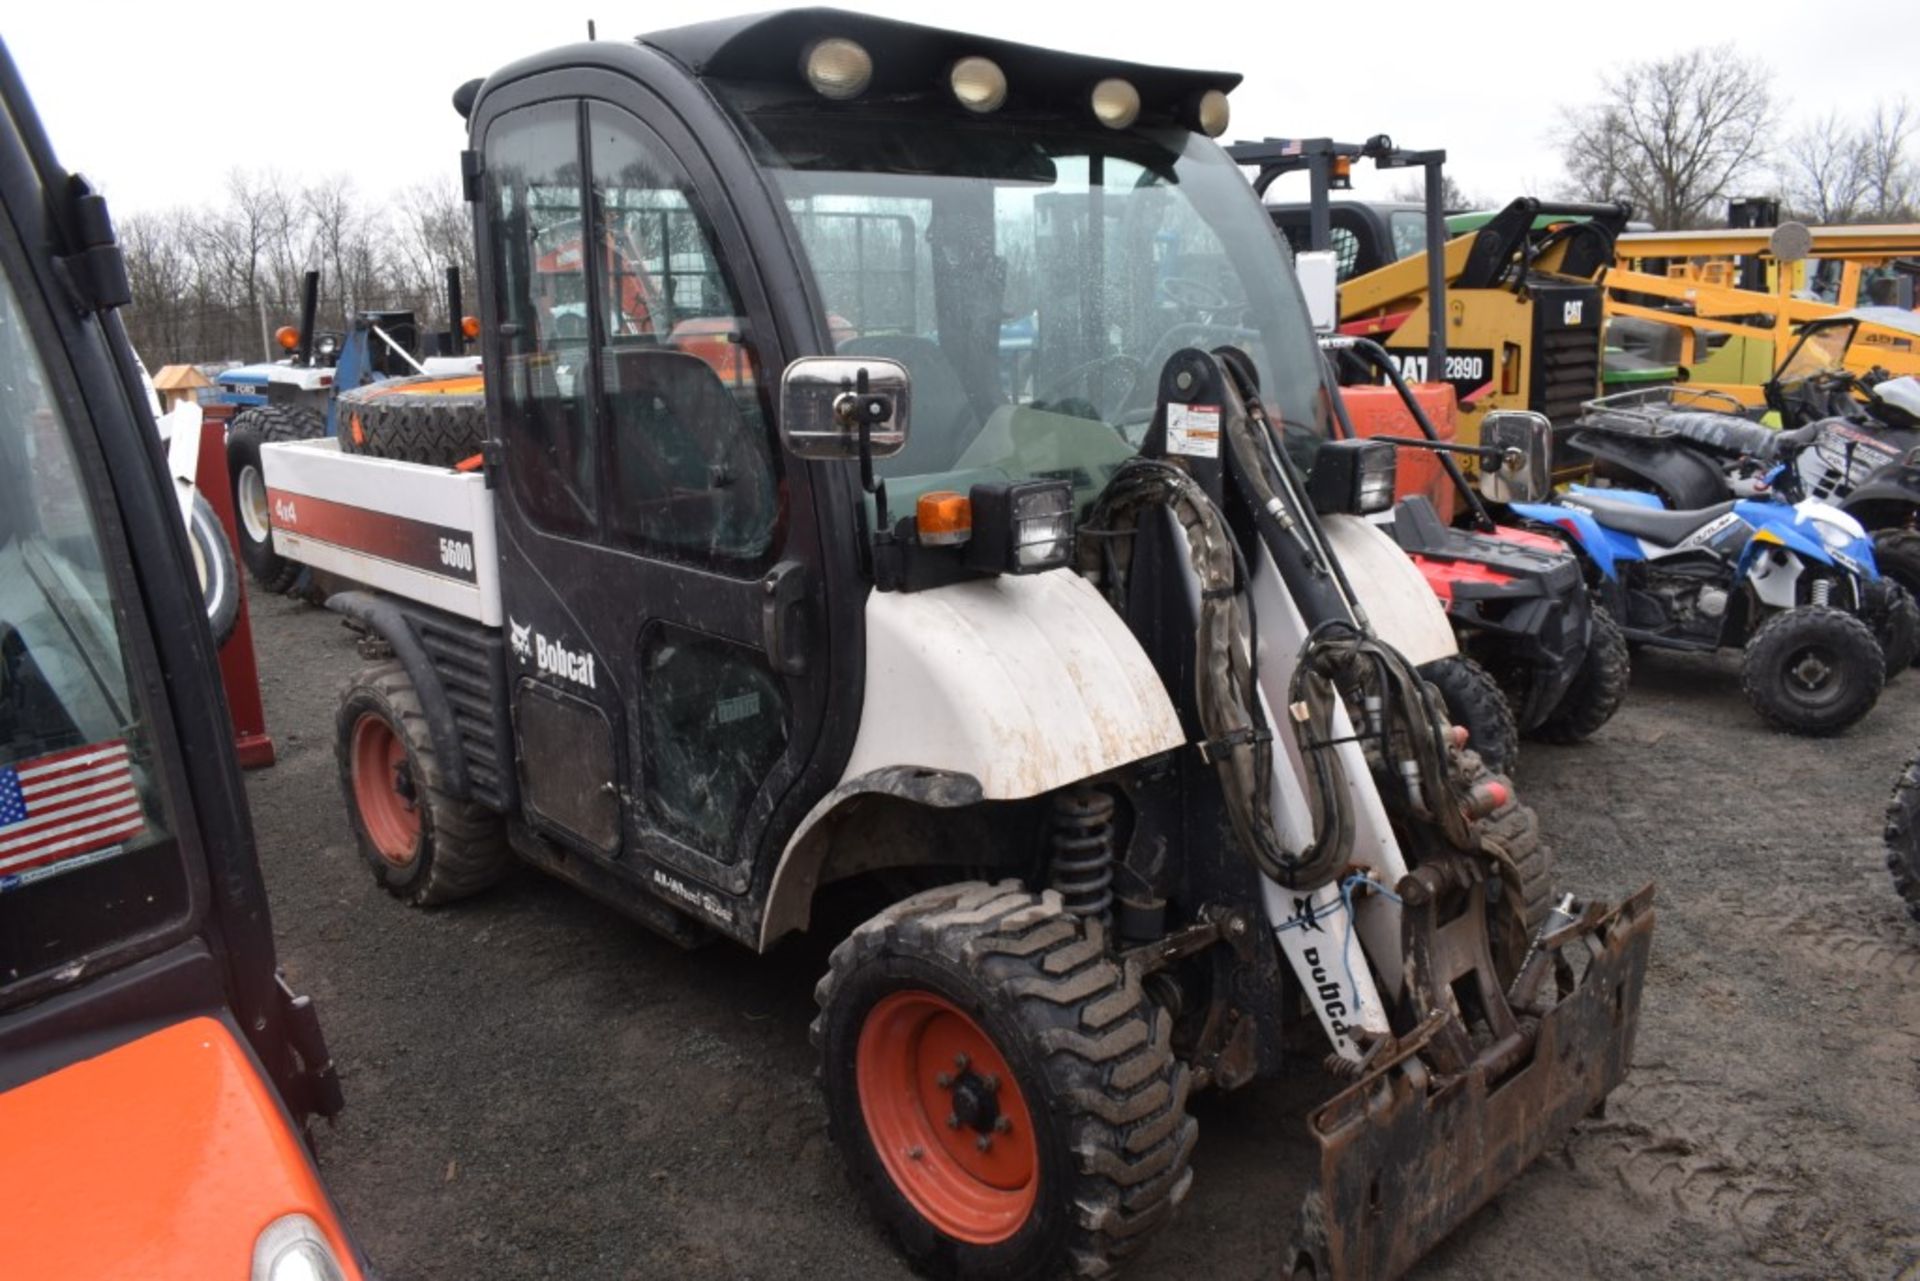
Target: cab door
[(660, 562)]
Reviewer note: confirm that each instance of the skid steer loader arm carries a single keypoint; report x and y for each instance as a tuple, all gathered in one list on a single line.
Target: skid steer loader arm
[(1440, 1121)]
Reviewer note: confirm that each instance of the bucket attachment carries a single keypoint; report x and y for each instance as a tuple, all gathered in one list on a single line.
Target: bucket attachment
[(1440, 1120)]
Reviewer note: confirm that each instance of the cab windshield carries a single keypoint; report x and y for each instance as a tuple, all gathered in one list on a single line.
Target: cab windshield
[(1033, 279), (1821, 350)]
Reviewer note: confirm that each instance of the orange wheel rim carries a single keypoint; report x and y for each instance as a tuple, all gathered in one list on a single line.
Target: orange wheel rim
[(383, 788), (947, 1118)]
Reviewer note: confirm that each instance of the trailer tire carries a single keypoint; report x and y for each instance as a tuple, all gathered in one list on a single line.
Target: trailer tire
[(1890, 610), (216, 568), (1474, 700), (1897, 552), (1903, 836), (428, 419), (1598, 688), (263, 425), (1813, 670), (422, 845), (1021, 986)]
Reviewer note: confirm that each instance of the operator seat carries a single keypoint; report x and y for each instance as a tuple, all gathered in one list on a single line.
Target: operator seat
[(943, 421), (1652, 523)]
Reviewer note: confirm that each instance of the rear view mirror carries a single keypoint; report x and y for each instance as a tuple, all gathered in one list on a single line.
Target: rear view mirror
[(1524, 471), (827, 403)]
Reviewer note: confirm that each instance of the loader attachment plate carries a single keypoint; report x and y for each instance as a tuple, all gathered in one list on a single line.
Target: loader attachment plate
[(1407, 1153)]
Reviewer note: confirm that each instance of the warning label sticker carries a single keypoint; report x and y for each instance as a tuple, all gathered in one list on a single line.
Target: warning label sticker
[(1193, 430)]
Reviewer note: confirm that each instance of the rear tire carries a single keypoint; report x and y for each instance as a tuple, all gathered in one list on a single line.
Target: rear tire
[(427, 419), (1474, 700), (263, 425), (1889, 609), (1903, 836), (216, 568), (1897, 552), (1597, 690), (1106, 1152), (422, 845), (1813, 670)]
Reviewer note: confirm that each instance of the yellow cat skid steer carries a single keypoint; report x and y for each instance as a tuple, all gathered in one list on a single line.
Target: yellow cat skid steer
[(1011, 571)]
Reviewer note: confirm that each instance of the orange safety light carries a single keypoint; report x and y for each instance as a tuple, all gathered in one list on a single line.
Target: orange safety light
[(470, 326), (1342, 169), (287, 336), (944, 518)]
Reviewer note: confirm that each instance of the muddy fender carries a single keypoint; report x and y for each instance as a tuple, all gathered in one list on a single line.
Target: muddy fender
[(381, 617)]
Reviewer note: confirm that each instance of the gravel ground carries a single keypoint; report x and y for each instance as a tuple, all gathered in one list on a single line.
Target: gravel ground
[(538, 1088)]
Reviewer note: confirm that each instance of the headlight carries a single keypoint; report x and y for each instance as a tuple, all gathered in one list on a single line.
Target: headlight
[(1352, 477), (1116, 103), (1836, 538), (838, 68), (293, 1248), (1021, 528)]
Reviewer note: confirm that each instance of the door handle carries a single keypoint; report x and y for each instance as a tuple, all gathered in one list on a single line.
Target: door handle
[(783, 617)]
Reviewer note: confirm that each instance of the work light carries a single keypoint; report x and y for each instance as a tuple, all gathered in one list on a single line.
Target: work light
[(1116, 103), (839, 68), (1352, 477), (978, 84), (1213, 113), (1022, 527)]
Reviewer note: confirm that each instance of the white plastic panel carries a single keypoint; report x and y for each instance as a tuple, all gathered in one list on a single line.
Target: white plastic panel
[(1400, 605)]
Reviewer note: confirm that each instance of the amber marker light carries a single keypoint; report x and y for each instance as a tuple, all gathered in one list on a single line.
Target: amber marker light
[(943, 518), (287, 336)]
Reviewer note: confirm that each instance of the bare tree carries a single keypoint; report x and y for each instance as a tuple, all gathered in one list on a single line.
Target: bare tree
[(1891, 186), (1453, 197), (1820, 171), (1672, 136)]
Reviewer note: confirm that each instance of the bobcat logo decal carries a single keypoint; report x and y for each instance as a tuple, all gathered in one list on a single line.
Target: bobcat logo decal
[(520, 636)]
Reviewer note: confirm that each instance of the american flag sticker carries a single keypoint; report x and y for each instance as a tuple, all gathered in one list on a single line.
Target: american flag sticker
[(65, 806)]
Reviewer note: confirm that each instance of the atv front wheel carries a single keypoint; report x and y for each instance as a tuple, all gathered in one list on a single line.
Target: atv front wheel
[(1903, 837), (1897, 552), (1006, 1098), (1597, 689), (263, 425), (422, 844), (1474, 700), (1813, 670), (1890, 610)]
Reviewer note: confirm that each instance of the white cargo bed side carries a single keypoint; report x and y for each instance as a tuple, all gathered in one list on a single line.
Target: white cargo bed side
[(422, 533)]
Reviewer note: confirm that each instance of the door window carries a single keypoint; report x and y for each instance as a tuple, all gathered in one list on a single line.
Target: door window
[(540, 250), (86, 855), (689, 461)]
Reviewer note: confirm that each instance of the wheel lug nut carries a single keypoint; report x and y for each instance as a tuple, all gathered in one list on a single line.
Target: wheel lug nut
[(984, 1143), (944, 1080), (953, 1120), (990, 1083), (916, 1152), (1001, 1125), (960, 1061)]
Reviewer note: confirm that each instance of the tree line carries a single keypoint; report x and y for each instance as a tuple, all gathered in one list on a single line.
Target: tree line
[(213, 282), (1679, 136)]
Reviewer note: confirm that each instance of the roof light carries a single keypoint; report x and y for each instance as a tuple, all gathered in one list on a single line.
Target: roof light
[(838, 68), (1213, 113), (469, 326), (1116, 103), (287, 336), (978, 84)]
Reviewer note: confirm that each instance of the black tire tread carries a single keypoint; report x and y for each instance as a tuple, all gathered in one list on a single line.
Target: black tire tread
[(384, 420), (465, 843), (1780, 630), (1903, 836), (1891, 611), (1475, 701), (1107, 1048), (1597, 691), (267, 425), (1510, 835), (1897, 552)]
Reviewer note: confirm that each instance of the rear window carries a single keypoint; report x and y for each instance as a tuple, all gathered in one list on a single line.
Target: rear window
[(87, 859)]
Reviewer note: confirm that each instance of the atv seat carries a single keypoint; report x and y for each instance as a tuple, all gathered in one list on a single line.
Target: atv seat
[(1651, 523), (1727, 434)]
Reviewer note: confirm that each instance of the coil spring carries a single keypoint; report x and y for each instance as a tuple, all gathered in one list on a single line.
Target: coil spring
[(1823, 591), (1082, 847)]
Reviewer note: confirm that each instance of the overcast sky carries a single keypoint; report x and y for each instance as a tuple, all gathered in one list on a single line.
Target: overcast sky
[(155, 102)]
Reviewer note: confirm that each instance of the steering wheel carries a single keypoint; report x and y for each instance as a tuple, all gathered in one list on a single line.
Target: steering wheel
[(1059, 386), (569, 325)]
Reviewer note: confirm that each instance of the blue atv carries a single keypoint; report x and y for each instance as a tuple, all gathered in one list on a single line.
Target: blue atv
[(1787, 583)]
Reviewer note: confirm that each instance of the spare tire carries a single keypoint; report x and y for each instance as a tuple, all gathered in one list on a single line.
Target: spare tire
[(441, 421), (264, 425)]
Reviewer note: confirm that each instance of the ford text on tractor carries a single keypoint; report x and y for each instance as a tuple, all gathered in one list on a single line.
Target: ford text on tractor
[(155, 1071), (1058, 647)]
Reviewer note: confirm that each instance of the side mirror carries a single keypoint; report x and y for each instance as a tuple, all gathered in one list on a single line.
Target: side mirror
[(830, 404), (1524, 471), (1319, 273)]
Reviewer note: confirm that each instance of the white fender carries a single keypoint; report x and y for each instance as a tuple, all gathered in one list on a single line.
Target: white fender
[(1024, 682), (1400, 605)]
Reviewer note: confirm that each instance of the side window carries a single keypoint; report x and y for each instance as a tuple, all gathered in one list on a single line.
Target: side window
[(689, 464), (541, 313), (86, 855)]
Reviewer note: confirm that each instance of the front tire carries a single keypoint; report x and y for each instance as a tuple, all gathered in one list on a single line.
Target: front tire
[(1813, 670), (1474, 701), (1006, 1098), (422, 844), (1597, 690), (1903, 837), (1897, 552), (1890, 610)]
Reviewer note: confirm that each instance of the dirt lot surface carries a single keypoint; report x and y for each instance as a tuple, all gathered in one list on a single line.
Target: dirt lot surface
[(537, 1088)]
